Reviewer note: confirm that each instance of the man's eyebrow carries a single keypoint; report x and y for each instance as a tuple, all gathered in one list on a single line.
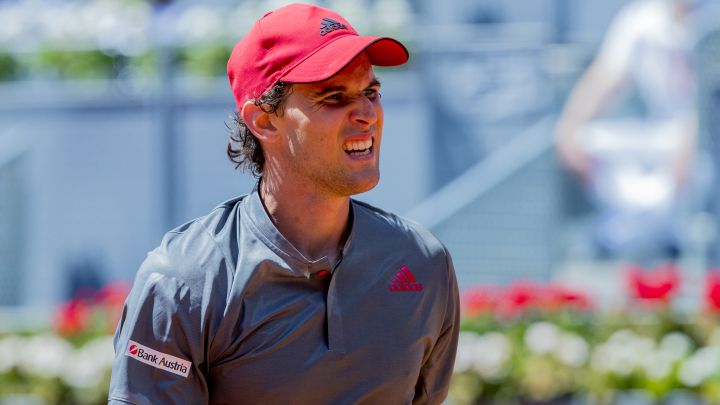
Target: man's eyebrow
[(331, 89)]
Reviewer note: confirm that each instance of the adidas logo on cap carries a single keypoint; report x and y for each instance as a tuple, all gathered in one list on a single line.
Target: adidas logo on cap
[(328, 25)]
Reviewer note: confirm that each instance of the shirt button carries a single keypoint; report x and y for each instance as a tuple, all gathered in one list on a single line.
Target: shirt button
[(322, 273)]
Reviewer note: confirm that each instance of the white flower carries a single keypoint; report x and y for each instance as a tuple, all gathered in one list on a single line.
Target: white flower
[(488, 354), (691, 372), (465, 351), (622, 337), (657, 365), (638, 353), (623, 353), (542, 337), (641, 347), (621, 360), (102, 349), (572, 350), (9, 353), (45, 355), (491, 354), (676, 345), (694, 370), (90, 364)]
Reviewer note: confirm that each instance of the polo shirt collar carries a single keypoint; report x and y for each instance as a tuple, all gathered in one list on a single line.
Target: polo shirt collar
[(259, 220)]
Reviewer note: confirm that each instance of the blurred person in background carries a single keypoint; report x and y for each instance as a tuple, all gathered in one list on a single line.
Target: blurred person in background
[(295, 294), (635, 168)]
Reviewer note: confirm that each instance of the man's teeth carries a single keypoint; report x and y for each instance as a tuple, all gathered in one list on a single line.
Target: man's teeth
[(356, 146)]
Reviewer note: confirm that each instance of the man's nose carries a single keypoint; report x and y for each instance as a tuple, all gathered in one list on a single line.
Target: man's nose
[(365, 111)]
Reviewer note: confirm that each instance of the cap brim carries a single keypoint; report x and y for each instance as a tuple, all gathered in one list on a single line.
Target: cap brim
[(336, 55)]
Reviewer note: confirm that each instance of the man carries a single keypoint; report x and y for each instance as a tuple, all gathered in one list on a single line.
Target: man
[(295, 293), (636, 169)]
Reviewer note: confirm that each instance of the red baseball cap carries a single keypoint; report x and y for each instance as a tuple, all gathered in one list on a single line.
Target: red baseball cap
[(301, 43)]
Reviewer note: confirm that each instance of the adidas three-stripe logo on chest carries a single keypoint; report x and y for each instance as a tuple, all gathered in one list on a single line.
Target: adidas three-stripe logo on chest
[(404, 280)]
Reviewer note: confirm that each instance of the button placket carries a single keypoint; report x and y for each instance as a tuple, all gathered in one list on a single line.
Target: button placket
[(336, 341)]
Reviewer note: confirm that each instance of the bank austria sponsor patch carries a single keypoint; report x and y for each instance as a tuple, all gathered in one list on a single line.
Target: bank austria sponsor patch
[(157, 359)]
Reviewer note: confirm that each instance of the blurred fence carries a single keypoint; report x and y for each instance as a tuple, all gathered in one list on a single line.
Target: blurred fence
[(501, 218)]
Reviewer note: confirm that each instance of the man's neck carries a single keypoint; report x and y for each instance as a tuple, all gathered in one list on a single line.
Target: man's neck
[(314, 223)]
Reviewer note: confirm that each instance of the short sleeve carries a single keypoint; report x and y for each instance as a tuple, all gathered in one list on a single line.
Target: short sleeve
[(434, 380), (158, 350), (622, 38)]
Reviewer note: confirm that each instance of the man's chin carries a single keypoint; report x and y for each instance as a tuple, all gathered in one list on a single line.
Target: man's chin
[(361, 185)]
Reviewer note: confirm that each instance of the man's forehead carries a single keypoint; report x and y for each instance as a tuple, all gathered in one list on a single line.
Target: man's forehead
[(358, 73)]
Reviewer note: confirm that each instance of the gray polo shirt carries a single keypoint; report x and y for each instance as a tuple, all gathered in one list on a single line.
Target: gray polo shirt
[(227, 311)]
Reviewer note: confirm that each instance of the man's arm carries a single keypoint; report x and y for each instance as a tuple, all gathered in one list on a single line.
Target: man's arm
[(157, 344), (596, 89), (434, 380)]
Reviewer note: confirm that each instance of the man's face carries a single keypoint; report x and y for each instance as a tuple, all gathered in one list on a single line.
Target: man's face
[(332, 132)]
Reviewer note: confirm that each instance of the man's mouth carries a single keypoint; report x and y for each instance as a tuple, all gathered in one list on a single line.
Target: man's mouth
[(358, 148)]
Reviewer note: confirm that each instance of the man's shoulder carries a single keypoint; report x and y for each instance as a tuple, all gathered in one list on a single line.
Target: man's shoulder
[(216, 223), (393, 226), (198, 248)]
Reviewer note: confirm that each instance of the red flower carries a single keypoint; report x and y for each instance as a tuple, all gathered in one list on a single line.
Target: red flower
[(712, 290), (560, 297), (111, 299), (478, 301), (657, 285), (519, 297), (113, 294), (72, 317)]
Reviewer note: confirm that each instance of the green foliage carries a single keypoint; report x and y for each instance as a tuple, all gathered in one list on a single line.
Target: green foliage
[(207, 60), (9, 67), (640, 350), (90, 64)]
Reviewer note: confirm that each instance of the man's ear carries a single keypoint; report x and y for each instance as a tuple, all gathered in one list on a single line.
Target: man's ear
[(258, 122)]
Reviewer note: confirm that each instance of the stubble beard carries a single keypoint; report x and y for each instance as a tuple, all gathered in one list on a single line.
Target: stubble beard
[(349, 184), (343, 183)]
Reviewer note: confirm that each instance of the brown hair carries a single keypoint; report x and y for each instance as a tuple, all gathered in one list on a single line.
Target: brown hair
[(243, 148)]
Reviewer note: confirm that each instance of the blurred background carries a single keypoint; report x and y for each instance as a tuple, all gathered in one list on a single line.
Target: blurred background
[(564, 151)]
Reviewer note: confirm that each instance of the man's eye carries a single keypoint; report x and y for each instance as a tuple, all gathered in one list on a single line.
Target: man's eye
[(334, 98), (372, 94)]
